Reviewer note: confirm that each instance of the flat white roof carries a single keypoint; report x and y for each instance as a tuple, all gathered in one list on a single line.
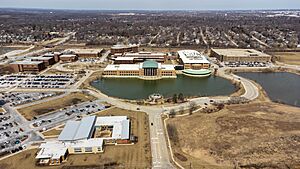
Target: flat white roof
[(42, 58), (167, 67), (120, 46), (192, 56), (240, 52), (122, 67), (143, 54), (85, 51), (52, 150), (67, 56), (56, 149), (124, 58), (27, 62), (121, 126), (135, 67)]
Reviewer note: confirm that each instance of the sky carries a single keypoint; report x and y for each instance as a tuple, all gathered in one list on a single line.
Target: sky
[(153, 4)]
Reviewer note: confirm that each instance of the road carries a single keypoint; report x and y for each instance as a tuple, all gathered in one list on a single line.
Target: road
[(159, 147), (36, 52), (104, 56)]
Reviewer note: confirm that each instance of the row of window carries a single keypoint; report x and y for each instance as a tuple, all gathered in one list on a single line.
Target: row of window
[(86, 149)]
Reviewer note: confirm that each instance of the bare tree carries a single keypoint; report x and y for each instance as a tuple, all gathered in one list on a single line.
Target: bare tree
[(192, 107)]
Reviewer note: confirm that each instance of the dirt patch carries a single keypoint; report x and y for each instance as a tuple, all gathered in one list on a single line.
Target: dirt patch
[(6, 69), (53, 105), (257, 135), (52, 132), (292, 58)]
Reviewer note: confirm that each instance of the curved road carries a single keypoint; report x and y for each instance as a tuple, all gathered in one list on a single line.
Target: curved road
[(159, 147)]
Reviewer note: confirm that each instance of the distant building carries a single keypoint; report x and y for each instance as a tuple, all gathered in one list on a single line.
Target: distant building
[(47, 60), (55, 55), (132, 58), (85, 53), (192, 59), (28, 66), (68, 58), (86, 136), (124, 48), (147, 70), (240, 55)]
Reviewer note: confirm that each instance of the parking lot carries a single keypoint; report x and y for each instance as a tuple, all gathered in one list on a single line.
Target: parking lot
[(11, 134), (50, 120), (246, 64), (36, 81), (19, 98), (90, 60)]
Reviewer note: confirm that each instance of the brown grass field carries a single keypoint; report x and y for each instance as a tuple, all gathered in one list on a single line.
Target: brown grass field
[(255, 135), (53, 105), (292, 58), (124, 156)]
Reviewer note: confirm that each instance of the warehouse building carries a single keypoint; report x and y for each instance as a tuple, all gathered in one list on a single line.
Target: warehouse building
[(240, 55), (192, 59), (124, 48), (27, 66), (86, 136), (148, 70), (132, 58)]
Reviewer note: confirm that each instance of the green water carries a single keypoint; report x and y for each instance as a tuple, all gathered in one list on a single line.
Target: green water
[(135, 89)]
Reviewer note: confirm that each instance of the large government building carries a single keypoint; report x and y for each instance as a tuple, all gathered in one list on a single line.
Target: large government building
[(192, 59), (240, 55), (148, 70), (195, 64)]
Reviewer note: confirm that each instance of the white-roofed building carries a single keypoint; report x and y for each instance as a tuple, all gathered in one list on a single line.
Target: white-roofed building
[(113, 128), (192, 59), (85, 136), (56, 152), (132, 58), (120, 48), (78, 130), (147, 70)]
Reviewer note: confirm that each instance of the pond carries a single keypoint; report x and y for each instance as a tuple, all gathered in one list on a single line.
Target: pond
[(135, 89), (280, 86)]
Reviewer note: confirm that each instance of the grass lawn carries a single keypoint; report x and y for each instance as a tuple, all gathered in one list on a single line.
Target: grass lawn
[(292, 58)]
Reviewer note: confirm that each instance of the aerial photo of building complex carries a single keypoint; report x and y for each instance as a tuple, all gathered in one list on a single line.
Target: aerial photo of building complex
[(138, 85)]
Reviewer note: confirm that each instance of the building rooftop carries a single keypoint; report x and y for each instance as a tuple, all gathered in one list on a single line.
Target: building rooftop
[(192, 56), (85, 51), (77, 130), (121, 46), (150, 64), (122, 67), (56, 149), (197, 72), (67, 56), (41, 58), (120, 126), (239, 52), (143, 54), (27, 62)]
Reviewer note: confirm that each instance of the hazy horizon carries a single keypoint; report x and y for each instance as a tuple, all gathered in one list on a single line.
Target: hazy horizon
[(200, 5)]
